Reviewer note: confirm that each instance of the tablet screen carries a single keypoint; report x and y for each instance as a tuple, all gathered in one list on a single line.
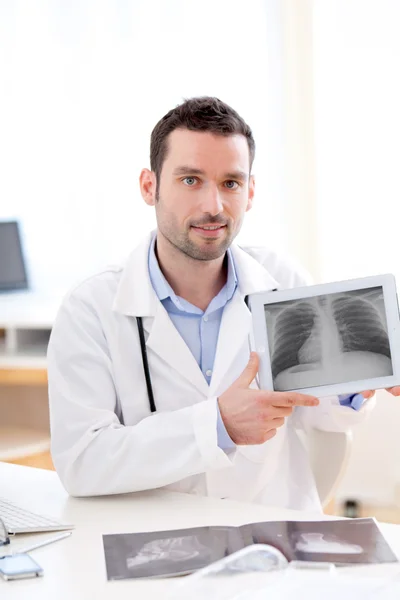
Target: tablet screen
[(328, 339)]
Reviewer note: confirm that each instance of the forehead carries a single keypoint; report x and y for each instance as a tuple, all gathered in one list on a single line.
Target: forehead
[(207, 151)]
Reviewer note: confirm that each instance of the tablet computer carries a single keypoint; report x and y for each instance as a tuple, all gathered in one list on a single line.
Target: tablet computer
[(332, 338)]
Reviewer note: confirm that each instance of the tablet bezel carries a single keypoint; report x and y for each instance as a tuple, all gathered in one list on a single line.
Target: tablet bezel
[(256, 303)]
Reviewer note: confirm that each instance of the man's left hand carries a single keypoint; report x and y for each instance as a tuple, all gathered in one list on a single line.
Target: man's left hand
[(395, 391)]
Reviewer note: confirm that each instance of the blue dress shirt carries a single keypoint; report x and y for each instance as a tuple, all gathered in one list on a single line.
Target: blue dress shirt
[(200, 329)]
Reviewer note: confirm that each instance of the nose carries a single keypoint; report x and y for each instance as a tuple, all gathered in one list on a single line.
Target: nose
[(212, 201)]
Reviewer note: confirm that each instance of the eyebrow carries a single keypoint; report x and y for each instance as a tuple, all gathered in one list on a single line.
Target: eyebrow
[(187, 170)]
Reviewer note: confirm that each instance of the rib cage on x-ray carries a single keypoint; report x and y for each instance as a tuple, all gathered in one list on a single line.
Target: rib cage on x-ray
[(360, 326), (292, 329), (345, 322)]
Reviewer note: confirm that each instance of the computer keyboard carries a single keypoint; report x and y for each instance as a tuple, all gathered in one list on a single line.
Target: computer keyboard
[(20, 520)]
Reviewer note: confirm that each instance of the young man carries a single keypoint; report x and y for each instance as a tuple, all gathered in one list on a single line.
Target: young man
[(213, 432)]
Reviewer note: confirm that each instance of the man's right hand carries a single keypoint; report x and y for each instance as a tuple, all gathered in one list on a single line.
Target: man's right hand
[(253, 416)]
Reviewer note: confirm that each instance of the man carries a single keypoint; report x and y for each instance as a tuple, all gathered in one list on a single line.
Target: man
[(211, 432)]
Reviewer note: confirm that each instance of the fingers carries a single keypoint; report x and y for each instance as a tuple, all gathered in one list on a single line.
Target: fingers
[(275, 423), (270, 434), (288, 399), (275, 412), (272, 430), (260, 438), (395, 391), (249, 372)]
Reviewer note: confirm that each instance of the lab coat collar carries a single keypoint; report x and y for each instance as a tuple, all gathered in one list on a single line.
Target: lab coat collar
[(164, 290), (252, 276), (136, 296)]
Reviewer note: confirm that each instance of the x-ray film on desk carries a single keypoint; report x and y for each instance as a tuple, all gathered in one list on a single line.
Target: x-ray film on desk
[(182, 551), (336, 338)]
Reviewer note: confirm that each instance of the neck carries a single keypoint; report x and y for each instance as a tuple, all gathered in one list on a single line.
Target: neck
[(197, 281)]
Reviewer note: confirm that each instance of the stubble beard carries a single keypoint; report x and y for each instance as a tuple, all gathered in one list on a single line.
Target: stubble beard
[(209, 250)]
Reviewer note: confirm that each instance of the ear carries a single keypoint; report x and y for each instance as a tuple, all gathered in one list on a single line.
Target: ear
[(251, 192), (148, 186)]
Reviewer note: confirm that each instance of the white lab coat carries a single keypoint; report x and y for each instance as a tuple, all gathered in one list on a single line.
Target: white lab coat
[(104, 438)]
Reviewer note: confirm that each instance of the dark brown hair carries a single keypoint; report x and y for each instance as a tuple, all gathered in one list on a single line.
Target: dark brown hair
[(197, 114)]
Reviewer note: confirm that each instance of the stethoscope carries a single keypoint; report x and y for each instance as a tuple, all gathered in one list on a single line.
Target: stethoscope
[(146, 369)]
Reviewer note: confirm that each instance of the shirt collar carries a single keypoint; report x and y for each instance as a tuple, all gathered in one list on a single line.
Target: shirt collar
[(231, 281), (158, 281), (164, 290)]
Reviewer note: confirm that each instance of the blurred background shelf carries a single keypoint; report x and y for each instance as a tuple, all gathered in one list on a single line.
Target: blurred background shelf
[(39, 461), (23, 347), (26, 321), (23, 376), (18, 443), (385, 513)]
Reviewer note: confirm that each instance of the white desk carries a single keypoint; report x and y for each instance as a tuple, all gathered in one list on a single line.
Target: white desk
[(74, 568)]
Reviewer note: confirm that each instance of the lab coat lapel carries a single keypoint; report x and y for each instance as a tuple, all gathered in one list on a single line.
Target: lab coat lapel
[(136, 297), (236, 320), (233, 333), (165, 340)]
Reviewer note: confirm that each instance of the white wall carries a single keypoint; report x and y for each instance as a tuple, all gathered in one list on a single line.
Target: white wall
[(301, 213), (86, 81), (357, 133), (357, 125)]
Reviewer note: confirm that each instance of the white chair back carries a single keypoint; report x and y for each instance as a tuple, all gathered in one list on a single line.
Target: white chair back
[(329, 453)]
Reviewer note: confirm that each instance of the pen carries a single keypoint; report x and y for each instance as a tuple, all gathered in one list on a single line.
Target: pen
[(44, 542)]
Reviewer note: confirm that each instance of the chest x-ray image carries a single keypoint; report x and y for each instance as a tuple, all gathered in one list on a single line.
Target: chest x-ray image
[(328, 339)]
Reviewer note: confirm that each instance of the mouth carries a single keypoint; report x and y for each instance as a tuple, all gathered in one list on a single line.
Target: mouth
[(209, 231)]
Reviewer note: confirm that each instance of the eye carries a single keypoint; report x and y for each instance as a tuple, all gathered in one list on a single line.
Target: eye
[(231, 185), (190, 181)]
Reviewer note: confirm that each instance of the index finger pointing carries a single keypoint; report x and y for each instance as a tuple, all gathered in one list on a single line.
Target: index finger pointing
[(292, 399)]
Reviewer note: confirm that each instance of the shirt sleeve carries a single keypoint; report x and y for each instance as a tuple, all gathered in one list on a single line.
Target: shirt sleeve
[(354, 401), (223, 438)]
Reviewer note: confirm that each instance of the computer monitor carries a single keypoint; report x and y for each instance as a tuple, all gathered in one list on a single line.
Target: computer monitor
[(12, 265)]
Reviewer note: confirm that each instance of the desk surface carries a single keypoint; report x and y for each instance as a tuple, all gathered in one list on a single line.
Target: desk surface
[(74, 568)]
